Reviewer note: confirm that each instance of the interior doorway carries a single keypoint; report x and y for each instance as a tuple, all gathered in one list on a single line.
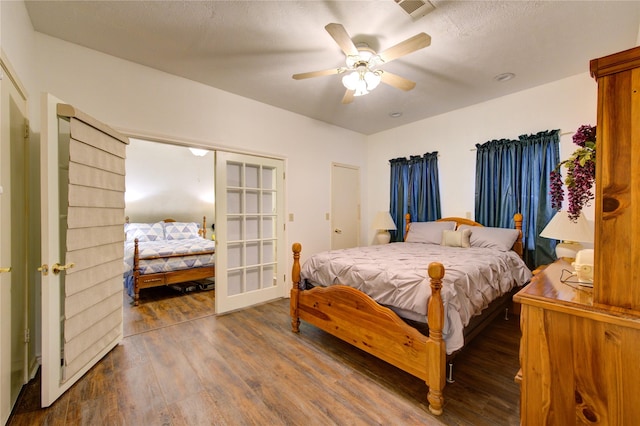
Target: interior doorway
[(166, 180)]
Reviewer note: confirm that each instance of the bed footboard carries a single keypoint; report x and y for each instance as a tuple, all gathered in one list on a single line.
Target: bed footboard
[(141, 281), (357, 319)]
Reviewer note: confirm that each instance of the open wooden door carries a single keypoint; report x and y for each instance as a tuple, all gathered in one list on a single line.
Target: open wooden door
[(250, 262), (82, 196)]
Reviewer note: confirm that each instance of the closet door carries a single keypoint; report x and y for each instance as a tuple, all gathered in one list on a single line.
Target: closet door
[(82, 197), (250, 265), (14, 218)]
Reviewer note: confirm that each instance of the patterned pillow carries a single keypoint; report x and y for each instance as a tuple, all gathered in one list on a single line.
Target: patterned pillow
[(180, 230), (144, 231)]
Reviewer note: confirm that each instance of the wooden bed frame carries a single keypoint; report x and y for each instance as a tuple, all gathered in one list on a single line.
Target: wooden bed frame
[(354, 317), (141, 281)]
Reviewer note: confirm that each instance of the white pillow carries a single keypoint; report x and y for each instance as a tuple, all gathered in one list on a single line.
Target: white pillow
[(428, 232), (495, 238), (456, 238)]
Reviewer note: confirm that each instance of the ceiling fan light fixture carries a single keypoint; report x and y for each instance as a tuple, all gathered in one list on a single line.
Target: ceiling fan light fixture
[(362, 80), (372, 78)]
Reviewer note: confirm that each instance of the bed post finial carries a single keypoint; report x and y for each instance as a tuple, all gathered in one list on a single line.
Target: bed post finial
[(437, 352), (295, 288), (204, 227), (517, 246), (407, 222)]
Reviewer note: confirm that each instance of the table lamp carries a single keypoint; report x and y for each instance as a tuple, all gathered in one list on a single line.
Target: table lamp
[(570, 233), (383, 223)]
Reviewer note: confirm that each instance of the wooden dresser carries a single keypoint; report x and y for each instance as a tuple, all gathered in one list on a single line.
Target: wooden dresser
[(580, 348)]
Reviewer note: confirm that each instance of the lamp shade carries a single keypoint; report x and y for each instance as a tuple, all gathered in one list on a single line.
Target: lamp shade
[(383, 221), (562, 228), (569, 232)]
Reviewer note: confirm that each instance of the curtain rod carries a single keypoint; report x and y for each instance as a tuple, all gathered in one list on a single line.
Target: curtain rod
[(561, 134)]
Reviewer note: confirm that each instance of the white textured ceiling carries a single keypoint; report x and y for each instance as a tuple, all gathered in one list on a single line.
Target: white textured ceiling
[(251, 48)]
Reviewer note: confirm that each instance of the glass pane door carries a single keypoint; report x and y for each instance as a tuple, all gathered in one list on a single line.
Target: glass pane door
[(249, 252)]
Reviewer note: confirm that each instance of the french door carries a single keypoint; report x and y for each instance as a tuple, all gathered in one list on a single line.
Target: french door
[(250, 252), (82, 215)]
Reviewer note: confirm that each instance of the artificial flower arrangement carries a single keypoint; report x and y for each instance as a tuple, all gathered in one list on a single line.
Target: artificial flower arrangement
[(581, 173)]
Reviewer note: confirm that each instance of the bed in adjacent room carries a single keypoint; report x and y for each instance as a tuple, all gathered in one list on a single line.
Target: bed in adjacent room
[(166, 253), (452, 274)]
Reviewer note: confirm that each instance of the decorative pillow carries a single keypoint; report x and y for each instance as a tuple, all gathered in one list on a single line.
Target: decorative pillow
[(144, 231), (488, 237), (456, 238), (180, 230), (428, 232)]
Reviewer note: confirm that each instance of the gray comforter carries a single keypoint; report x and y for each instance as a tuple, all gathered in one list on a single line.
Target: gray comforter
[(395, 275)]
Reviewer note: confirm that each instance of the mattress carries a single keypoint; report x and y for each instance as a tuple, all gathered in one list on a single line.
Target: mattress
[(395, 275)]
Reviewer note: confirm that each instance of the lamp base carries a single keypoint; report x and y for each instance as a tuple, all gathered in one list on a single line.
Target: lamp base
[(383, 237), (567, 250)]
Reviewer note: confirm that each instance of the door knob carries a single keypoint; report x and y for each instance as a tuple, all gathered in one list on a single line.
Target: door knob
[(44, 269), (338, 231), (56, 267), (5, 269)]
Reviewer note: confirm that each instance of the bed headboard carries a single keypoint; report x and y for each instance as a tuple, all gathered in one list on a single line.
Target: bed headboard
[(517, 218)]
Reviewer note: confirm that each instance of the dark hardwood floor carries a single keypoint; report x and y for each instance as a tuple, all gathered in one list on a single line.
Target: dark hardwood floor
[(180, 364)]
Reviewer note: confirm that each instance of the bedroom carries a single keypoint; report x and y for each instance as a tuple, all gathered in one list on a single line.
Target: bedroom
[(145, 101)]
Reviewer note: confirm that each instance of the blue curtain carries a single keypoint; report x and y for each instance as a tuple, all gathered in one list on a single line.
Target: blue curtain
[(415, 189), (399, 186), (496, 185), (541, 152), (513, 176)]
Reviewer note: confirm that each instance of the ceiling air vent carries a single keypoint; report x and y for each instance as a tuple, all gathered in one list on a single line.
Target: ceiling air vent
[(415, 8)]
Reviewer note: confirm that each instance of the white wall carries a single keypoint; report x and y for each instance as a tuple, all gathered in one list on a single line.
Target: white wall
[(564, 105), (143, 101), (168, 181)]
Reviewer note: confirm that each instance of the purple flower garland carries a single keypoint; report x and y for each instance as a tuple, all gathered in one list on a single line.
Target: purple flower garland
[(581, 173)]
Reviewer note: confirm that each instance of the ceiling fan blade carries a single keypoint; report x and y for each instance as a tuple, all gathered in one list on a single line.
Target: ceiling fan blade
[(397, 81), (341, 37), (348, 96), (417, 42), (311, 74)]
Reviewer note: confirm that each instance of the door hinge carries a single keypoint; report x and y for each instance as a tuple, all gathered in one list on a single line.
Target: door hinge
[(27, 335), (26, 128)]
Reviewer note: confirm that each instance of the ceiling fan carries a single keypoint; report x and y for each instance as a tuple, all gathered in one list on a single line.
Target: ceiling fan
[(362, 62)]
